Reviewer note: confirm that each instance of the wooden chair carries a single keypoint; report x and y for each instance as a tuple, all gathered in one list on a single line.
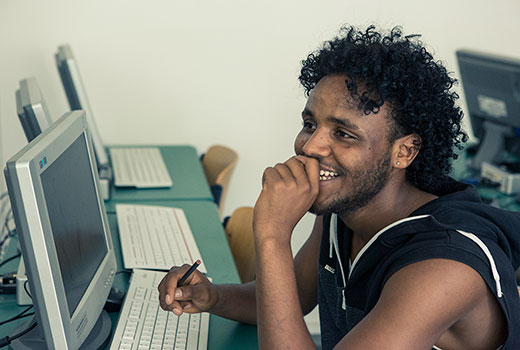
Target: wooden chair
[(239, 234), (218, 163)]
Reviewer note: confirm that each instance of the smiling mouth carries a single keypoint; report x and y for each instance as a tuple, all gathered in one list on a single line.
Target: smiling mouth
[(327, 175)]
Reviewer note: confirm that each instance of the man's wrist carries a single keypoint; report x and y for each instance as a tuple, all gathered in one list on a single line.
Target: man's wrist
[(270, 244), (272, 235), (218, 299)]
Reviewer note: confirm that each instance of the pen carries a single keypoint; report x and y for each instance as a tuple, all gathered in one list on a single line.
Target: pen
[(188, 273)]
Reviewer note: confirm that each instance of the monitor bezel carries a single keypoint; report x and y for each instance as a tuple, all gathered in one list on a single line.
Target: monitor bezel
[(23, 171), (77, 97), (36, 115), (24, 120)]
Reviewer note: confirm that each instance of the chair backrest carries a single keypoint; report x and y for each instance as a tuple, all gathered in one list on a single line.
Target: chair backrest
[(239, 234), (218, 163)]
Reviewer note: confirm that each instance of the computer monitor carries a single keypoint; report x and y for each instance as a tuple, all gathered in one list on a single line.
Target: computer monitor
[(31, 108), (64, 237), (492, 89), (77, 97)]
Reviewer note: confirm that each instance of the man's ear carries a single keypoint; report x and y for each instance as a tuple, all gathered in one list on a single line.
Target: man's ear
[(405, 149)]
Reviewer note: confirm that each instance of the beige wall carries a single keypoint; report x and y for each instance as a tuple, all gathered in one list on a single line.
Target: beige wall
[(206, 72)]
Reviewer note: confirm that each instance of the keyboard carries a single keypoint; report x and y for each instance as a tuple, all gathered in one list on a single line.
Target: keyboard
[(155, 237), (141, 167), (143, 324)]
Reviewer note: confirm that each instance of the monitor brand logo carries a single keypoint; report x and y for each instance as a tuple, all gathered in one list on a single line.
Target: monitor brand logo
[(43, 161)]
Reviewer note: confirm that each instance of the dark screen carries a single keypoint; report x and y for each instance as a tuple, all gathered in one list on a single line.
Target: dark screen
[(75, 219)]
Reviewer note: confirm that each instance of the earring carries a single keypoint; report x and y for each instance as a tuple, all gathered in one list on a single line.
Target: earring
[(398, 163)]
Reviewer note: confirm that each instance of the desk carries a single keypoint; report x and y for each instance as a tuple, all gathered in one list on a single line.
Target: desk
[(461, 171), (205, 224), (189, 181)]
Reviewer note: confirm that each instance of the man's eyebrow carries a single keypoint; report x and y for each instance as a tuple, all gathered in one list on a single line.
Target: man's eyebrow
[(331, 119), (344, 122), (307, 112)]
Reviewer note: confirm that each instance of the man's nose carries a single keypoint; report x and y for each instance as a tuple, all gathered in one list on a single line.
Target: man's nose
[(318, 145)]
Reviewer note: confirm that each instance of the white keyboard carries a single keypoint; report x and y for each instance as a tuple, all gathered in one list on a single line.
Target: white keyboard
[(141, 167), (144, 325), (156, 238)]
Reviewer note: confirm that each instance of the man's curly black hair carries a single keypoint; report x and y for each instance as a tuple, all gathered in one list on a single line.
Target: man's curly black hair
[(398, 70)]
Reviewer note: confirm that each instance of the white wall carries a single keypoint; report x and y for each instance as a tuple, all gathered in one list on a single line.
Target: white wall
[(206, 72)]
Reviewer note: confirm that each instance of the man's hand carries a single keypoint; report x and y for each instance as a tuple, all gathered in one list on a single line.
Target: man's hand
[(197, 294), (288, 192)]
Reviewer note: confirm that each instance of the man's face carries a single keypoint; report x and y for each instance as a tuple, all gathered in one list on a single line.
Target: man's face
[(352, 148)]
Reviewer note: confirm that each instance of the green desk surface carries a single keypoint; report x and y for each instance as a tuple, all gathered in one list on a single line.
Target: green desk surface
[(462, 171), (206, 227), (189, 181)]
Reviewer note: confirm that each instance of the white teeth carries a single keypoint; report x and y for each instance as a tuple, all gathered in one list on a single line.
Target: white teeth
[(326, 173)]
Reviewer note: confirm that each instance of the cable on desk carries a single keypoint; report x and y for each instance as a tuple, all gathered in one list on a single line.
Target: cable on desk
[(25, 288), (124, 271), (20, 315), (7, 340), (5, 227), (9, 259)]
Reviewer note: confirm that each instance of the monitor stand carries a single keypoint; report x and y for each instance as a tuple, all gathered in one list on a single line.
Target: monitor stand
[(491, 147), (98, 338)]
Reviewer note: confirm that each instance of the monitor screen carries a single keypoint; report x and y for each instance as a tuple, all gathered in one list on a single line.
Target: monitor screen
[(64, 236), (491, 86), (77, 97), (77, 228)]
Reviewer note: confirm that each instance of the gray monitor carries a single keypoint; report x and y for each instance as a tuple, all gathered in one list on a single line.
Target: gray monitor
[(31, 108), (64, 237), (491, 86), (77, 97)]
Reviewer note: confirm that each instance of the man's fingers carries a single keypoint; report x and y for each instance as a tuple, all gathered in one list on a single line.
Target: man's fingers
[(312, 168), (168, 285), (183, 293), (196, 293), (186, 306), (297, 168), (285, 172), (270, 174)]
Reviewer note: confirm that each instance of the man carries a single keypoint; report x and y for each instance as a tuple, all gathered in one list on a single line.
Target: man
[(401, 256)]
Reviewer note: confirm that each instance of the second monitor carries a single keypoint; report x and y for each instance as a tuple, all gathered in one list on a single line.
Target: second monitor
[(31, 108), (492, 89), (140, 167)]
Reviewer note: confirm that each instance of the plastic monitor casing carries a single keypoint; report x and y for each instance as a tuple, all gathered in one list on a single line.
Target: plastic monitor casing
[(77, 97), (23, 176), (492, 89), (31, 108)]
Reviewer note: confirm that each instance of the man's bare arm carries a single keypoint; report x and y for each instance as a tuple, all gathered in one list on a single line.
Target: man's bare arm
[(418, 304), (306, 268), (288, 192), (238, 301)]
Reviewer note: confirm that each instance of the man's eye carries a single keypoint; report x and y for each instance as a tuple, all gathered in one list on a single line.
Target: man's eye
[(343, 134), (308, 126)]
